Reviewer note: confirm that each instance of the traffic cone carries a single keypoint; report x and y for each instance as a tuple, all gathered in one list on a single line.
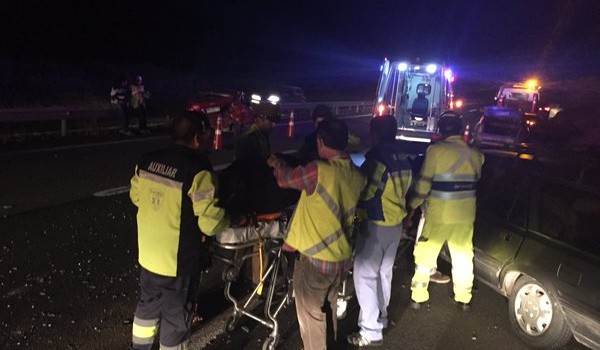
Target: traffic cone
[(291, 125), (218, 141), (467, 134)]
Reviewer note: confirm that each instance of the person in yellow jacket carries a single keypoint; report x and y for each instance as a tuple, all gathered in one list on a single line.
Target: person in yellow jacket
[(448, 182), (321, 228), (389, 177), (174, 192)]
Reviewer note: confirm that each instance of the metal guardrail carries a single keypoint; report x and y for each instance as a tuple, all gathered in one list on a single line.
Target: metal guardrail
[(69, 114)]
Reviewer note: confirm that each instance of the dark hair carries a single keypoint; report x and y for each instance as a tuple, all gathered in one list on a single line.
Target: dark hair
[(334, 133), (450, 123), (385, 127), (321, 111), (268, 111), (187, 125)]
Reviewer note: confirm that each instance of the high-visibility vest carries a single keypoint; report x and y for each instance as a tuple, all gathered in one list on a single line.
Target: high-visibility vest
[(389, 176), (448, 181), (322, 223), (174, 190)]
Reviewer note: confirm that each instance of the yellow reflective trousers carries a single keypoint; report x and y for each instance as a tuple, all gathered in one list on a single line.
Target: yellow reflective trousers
[(460, 243)]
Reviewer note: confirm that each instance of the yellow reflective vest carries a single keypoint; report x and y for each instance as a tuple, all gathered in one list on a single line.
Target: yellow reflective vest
[(448, 182), (174, 190), (322, 223)]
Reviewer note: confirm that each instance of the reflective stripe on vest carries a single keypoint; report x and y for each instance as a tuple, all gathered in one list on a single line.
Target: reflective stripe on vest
[(335, 210)]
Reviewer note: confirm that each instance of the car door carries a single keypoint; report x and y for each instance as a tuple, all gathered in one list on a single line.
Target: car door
[(501, 216), (564, 228)]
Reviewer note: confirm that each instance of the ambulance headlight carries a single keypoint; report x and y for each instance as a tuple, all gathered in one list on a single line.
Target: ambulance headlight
[(402, 66)]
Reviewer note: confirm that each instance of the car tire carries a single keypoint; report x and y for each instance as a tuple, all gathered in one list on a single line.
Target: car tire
[(535, 316)]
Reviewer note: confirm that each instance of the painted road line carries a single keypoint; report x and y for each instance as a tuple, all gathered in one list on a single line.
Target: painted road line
[(112, 191), (85, 145)]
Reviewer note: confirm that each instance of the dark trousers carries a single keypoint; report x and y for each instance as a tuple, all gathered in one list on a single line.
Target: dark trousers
[(165, 304), (124, 116), (140, 113)]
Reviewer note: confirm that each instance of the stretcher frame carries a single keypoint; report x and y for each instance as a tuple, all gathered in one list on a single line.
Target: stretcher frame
[(270, 278)]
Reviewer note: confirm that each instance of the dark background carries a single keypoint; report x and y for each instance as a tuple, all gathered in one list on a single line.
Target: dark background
[(82, 45)]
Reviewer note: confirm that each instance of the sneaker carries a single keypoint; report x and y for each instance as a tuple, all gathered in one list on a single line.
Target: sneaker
[(359, 340), (439, 277)]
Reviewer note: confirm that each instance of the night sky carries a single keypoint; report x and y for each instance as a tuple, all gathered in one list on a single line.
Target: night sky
[(308, 37)]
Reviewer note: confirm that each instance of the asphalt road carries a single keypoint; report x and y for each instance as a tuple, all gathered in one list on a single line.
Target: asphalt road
[(68, 274)]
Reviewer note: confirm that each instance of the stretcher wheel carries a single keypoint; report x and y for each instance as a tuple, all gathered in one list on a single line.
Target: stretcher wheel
[(269, 344), (230, 274), (231, 324)]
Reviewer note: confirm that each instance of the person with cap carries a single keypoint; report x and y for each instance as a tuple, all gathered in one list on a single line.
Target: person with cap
[(447, 181), (139, 95), (320, 230), (308, 149), (389, 177), (255, 143), (174, 192)]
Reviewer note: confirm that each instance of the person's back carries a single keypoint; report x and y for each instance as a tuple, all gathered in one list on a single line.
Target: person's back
[(453, 169), (448, 181), (174, 192)]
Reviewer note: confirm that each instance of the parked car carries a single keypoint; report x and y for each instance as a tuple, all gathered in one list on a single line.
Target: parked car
[(281, 94), (537, 242), (234, 109)]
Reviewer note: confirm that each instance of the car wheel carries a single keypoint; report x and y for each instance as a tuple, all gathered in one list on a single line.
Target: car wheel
[(536, 317)]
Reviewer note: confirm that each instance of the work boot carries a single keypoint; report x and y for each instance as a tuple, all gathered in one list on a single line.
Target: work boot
[(418, 306), (439, 277), (462, 306)]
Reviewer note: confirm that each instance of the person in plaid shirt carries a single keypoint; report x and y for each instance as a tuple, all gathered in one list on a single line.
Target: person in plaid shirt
[(320, 229)]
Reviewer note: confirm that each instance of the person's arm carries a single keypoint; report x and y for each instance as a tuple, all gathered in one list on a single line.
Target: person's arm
[(373, 170), (211, 218), (423, 183), (134, 191), (299, 178)]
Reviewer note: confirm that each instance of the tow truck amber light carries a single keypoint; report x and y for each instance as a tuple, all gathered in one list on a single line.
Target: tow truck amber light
[(532, 84), (458, 103)]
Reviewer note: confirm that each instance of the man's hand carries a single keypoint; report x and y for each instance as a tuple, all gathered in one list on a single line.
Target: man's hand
[(274, 161)]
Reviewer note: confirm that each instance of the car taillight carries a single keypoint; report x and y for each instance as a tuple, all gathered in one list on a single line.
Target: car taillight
[(380, 109), (458, 103), (194, 108)]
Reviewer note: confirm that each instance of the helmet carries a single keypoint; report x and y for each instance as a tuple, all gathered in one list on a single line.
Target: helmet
[(450, 123)]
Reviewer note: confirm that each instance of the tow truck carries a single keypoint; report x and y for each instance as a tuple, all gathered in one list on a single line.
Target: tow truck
[(416, 94), (510, 121)]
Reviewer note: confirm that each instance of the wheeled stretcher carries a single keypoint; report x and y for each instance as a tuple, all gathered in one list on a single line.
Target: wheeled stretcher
[(266, 233)]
